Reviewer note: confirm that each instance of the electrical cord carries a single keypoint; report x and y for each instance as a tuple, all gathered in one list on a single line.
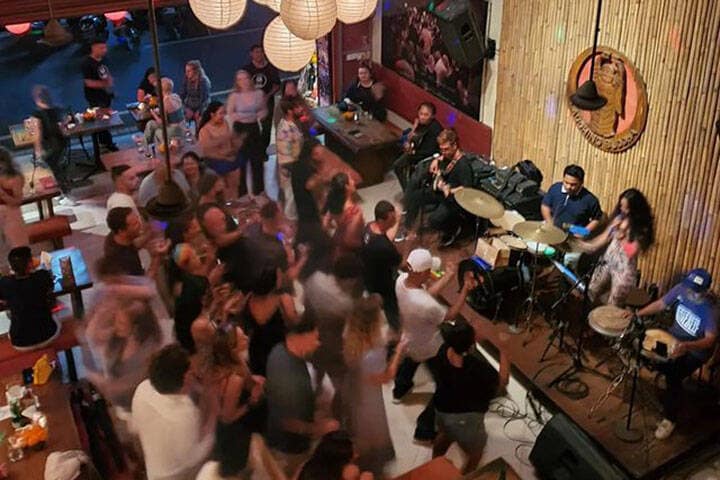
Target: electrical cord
[(508, 409)]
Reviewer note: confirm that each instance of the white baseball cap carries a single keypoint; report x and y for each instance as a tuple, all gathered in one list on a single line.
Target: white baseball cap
[(421, 260)]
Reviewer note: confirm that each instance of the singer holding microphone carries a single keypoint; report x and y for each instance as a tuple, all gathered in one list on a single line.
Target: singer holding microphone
[(630, 232)]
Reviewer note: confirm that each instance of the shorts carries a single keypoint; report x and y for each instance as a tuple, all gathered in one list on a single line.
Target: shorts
[(467, 429), (223, 167)]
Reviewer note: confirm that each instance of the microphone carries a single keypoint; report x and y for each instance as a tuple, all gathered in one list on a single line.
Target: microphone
[(430, 157)]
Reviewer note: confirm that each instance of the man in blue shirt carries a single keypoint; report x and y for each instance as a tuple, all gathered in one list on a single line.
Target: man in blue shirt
[(695, 328), (569, 202)]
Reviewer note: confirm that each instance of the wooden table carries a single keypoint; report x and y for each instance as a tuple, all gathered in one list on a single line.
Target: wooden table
[(369, 146), (63, 434), (138, 161), (92, 128), (43, 197), (138, 114)]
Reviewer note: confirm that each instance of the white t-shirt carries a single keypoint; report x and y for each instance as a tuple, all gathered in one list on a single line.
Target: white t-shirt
[(421, 315), (169, 427), (117, 199)]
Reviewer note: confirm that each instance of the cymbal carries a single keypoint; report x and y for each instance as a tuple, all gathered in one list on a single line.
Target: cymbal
[(479, 203), (539, 232)]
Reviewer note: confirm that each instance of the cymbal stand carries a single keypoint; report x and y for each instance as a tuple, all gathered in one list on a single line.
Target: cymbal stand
[(560, 327)]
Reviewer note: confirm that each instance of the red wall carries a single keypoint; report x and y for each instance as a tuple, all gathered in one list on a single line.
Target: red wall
[(403, 97)]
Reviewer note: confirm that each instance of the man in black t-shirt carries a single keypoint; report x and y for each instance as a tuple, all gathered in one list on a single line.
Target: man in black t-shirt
[(266, 78), (382, 259), (125, 226), (421, 143), (452, 170), (465, 383), (98, 85), (30, 299)]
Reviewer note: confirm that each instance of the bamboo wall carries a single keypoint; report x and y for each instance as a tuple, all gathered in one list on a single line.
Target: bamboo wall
[(675, 45)]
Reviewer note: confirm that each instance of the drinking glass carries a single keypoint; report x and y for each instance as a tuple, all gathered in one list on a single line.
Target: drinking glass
[(139, 140), (15, 448)]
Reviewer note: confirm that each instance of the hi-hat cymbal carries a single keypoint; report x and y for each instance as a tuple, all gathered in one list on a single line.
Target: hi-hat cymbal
[(539, 232), (479, 203)]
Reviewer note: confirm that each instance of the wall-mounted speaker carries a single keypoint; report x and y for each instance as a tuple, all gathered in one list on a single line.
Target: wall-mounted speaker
[(462, 26)]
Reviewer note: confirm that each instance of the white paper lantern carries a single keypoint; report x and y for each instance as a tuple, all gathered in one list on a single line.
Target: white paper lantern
[(218, 14), (309, 19), (273, 5), (285, 50), (354, 11)]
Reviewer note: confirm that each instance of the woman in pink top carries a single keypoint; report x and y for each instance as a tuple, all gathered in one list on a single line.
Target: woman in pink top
[(246, 107), (220, 146)]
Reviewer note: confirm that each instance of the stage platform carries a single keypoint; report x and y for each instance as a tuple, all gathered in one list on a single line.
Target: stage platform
[(698, 426)]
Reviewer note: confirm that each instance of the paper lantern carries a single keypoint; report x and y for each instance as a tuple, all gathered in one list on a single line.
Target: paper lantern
[(285, 50), (218, 14), (18, 28), (260, 2), (309, 19), (116, 16), (273, 5), (354, 11)]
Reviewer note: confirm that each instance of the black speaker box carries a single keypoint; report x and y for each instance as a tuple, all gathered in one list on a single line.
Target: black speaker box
[(462, 30), (563, 452)]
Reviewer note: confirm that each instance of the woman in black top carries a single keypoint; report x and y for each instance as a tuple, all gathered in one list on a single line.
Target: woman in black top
[(264, 318), (148, 85), (30, 299), (50, 143)]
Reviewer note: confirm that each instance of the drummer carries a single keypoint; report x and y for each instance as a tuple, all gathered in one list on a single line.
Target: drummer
[(695, 326), (569, 203)]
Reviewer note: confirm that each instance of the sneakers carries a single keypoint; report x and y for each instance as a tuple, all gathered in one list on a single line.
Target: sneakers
[(66, 201), (664, 429)]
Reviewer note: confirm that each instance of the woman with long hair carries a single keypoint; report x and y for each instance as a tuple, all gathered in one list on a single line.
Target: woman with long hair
[(630, 232), (195, 90), (343, 215), (221, 148), (333, 459), (246, 108), (148, 85), (365, 354), (11, 198)]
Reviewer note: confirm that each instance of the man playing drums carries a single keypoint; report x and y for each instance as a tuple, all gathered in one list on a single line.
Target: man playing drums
[(569, 202), (695, 330)]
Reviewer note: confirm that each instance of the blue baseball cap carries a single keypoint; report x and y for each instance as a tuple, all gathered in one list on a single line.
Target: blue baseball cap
[(698, 280)]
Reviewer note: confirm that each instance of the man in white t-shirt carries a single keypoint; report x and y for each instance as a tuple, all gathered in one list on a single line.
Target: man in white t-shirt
[(176, 435), (125, 183), (421, 316)]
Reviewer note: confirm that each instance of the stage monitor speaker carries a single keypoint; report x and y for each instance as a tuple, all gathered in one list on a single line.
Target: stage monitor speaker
[(462, 31), (563, 452)]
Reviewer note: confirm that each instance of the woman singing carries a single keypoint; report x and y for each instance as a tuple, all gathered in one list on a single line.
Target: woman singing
[(631, 231)]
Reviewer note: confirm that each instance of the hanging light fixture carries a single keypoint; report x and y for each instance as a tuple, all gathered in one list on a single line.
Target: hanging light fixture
[(354, 11), (586, 97), (309, 19), (116, 16), (18, 28), (218, 14), (285, 50), (170, 202)]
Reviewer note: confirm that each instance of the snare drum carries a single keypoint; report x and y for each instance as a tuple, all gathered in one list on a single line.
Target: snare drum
[(540, 249), (609, 321), (517, 247)]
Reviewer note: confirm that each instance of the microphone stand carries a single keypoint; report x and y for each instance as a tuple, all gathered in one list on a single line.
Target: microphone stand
[(577, 365), (560, 327), (625, 432)]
